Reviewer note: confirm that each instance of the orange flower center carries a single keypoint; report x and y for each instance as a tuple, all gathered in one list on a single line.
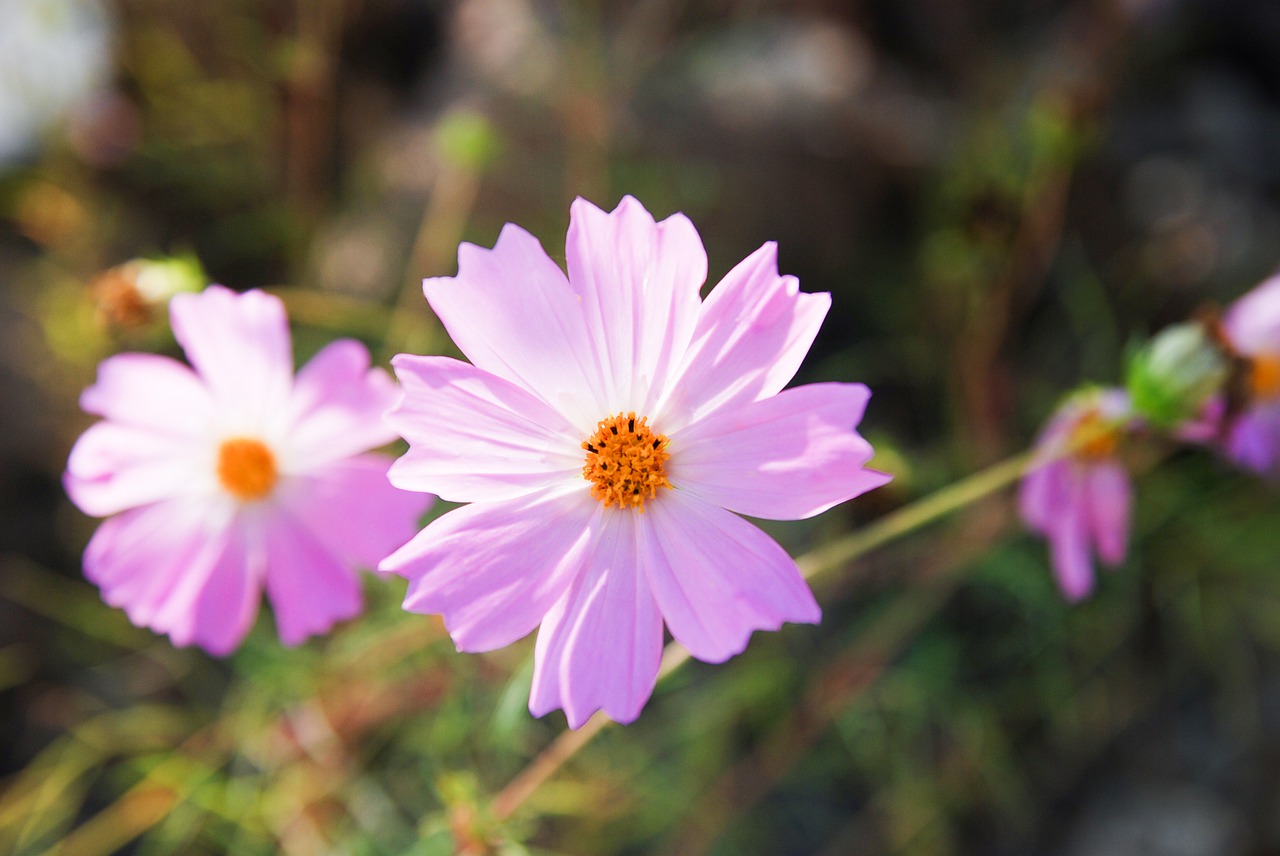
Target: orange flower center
[(624, 462), (246, 468), (1264, 376), (1093, 438)]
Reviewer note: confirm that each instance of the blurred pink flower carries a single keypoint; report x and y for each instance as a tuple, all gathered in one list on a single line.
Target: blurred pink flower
[(1078, 494), (1252, 328), (606, 422), (237, 475)]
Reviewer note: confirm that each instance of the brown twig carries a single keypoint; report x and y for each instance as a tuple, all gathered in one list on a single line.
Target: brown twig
[(544, 766)]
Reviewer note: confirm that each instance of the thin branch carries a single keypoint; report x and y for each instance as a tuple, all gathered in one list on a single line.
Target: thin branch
[(907, 519)]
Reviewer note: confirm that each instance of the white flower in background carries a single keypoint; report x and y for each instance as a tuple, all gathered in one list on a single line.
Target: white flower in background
[(54, 54)]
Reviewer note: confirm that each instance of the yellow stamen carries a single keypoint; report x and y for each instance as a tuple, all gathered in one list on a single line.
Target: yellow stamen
[(624, 462), (1264, 376), (246, 468), (1093, 437)]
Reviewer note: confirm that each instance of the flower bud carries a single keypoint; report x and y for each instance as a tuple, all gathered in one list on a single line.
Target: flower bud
[(132, 294), (1171, 378)]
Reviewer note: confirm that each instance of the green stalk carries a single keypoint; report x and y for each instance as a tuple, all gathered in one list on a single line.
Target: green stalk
[(907, 519)]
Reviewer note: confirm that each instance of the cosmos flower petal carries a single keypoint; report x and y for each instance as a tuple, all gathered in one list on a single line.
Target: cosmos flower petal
[(600, 645), (138, 557), (1077, 494), (1108, 509), (620, 390), (474, 436), (113, 467), (533, 335), (240, 346), (310, 588), (351, 508), (1252, 436), (1253, 322), (1254, 440), (753, 331), (218, 587), (222, 611), (1039, 494), (149, 391), (638, 282), (718, 578), (208, 472), (337, 405), (493, 569), (180, 569), (1069, 553), (787, 457)]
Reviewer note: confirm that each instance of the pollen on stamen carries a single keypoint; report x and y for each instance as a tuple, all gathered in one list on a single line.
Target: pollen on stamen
[(625, 461), (1264, 376), (1093, 438), (246, 468)]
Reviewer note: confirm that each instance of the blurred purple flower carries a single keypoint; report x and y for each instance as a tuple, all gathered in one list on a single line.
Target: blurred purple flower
[(1252, 329), (1077, 495), (236, 475), (607, 427)]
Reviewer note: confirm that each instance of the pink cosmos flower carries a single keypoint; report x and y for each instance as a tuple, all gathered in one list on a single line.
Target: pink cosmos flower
[(606, 429), (236, 475), (1252, 328), (1080, 499)]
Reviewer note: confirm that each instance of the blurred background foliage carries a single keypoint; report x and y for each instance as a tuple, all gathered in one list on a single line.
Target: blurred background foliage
[(1001, 195)]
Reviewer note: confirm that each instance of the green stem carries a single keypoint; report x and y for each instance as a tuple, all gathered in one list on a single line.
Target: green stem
[(915, 515), (909, 518)]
